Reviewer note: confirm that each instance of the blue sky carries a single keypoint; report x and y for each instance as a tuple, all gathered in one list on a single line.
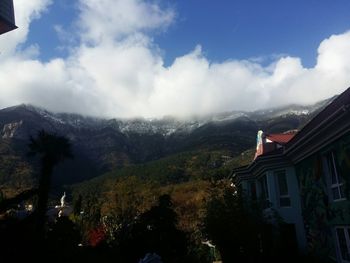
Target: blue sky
[(43, 33), (128, 58), (244, 28), (226, 29)]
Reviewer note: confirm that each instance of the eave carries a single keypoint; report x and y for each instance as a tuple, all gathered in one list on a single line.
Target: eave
[(327, 127), (6, 26), (260, 165)]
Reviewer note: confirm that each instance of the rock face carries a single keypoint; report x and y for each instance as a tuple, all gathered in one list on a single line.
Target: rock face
[(9, 129)]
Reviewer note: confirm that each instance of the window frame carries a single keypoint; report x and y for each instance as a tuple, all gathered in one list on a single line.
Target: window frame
[(346, 231), (278, 187), (331, 168), (264, 191), (252, 190)]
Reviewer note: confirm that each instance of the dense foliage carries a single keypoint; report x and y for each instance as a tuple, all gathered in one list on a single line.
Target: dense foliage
[(154, 194)]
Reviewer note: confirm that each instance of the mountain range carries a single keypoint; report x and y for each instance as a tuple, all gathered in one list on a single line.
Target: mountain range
[(101, 145)]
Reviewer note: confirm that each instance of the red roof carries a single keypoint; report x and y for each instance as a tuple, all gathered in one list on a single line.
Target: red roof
[(280, 138)]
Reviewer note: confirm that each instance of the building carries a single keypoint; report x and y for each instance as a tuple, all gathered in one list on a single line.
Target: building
[(320, 153), (7, 16), (272, 178), (305, 177)]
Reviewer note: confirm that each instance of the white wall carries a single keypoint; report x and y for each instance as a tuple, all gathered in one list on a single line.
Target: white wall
[(292, 214)]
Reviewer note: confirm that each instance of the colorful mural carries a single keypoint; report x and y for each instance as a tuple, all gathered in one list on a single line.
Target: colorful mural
[(320, 213)]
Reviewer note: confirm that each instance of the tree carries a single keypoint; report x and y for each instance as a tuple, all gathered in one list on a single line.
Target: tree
[(2, 197), (154, 231), (233, 225), (159, 233), (77, 206), (52, 150), (63, 236)]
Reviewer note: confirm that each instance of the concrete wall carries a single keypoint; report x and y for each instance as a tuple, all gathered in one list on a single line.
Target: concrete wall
[(292, 213), (289, 215)]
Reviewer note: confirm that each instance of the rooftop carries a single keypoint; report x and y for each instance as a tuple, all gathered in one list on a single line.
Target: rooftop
[(280, 138)]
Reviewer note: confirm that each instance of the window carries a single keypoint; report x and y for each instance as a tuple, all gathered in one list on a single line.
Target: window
[(282, 188), (343, 242), (336, 183), (252, 190), (264, 191)]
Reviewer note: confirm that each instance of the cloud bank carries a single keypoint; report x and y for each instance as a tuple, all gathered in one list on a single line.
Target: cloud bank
[(115, 69)]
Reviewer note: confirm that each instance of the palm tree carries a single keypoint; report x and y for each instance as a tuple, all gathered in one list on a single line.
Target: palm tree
[(52, 149)]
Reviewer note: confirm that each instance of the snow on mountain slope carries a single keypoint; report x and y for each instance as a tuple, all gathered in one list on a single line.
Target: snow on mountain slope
[(165, 126)]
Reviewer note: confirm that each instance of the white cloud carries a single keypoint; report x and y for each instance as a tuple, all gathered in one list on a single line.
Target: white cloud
[(106, 20), (117, 70)]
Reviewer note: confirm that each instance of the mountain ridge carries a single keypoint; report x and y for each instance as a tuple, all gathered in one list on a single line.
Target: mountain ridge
[(101, 145), (165, 125)]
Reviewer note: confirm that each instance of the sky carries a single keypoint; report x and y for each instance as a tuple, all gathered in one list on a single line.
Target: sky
[(150, 58)]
